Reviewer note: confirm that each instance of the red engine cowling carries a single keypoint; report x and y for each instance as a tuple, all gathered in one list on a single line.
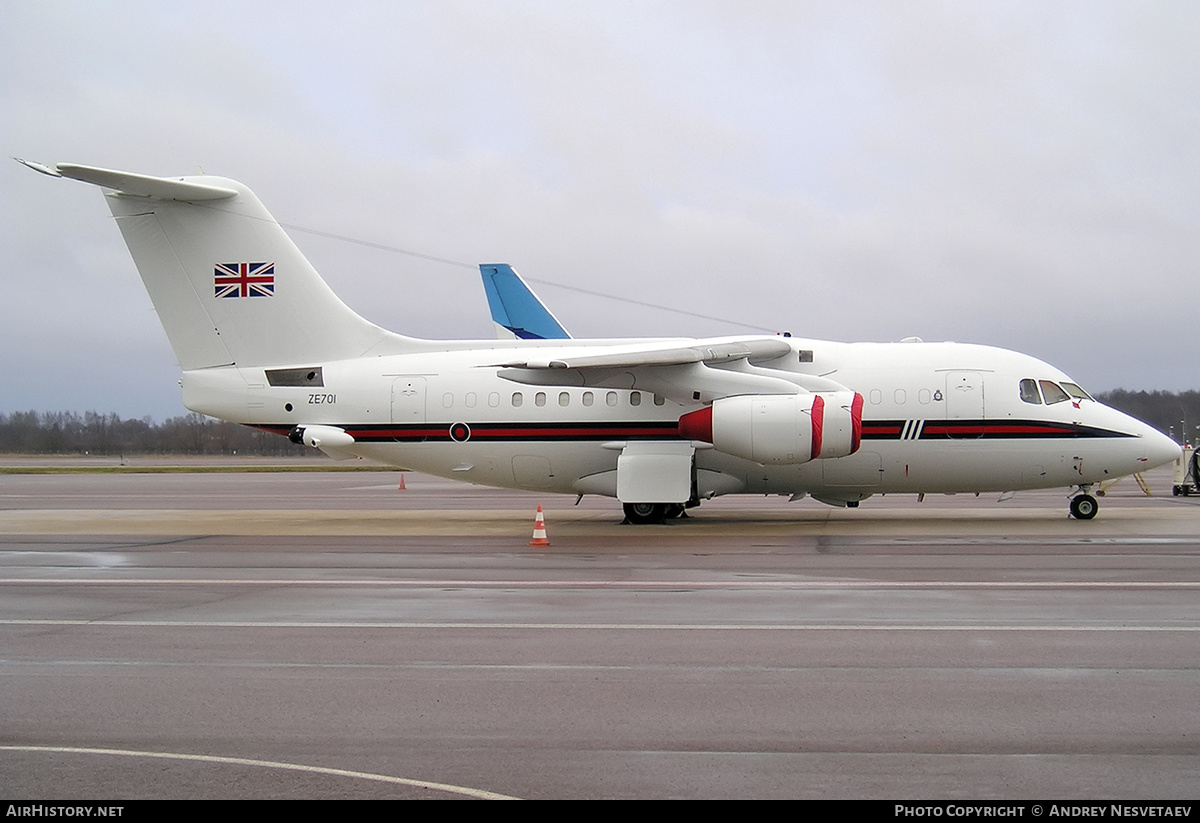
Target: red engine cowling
[(780, 428)]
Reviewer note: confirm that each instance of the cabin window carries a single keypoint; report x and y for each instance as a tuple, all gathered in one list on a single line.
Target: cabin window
[(876, 397), (447, 400), (659, 400), (1053, 393), (539, 399), (564, 399), (471, 399), (901, 397), (588, 398), (635, 398), (494, 399), (1029, 392), (517, 399), (611, 398), (923, 396)]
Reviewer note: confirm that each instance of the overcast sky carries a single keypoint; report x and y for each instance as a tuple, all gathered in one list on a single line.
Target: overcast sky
[(1024, 175)]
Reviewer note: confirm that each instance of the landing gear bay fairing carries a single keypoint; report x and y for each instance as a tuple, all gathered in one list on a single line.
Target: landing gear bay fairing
[(659, 424)]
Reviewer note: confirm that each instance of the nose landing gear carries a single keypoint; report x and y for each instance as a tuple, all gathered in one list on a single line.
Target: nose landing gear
[(1083, 505)]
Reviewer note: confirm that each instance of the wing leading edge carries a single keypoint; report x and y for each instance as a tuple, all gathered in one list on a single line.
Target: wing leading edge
[(686, 371)]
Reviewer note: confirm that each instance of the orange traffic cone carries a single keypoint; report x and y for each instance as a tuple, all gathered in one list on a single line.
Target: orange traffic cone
[(539, 529), (401, 488)]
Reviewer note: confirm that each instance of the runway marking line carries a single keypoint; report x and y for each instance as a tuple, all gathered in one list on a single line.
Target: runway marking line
[(859, 627), (478, 794), (618, 584), (394, 523)]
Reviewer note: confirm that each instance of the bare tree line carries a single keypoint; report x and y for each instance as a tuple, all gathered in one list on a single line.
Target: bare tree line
[(1173, 413), (107, 434)]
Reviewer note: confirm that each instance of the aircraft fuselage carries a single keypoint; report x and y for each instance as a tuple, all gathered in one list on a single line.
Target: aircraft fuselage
[(937, 417)]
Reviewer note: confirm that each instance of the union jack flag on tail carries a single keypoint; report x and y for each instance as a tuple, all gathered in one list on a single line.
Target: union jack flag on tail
[(244, 279)]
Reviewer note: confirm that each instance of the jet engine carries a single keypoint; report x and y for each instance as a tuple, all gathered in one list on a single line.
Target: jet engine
[(780, 428)]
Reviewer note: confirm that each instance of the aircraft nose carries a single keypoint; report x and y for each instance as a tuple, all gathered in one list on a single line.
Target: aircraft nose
[(1159, 448)]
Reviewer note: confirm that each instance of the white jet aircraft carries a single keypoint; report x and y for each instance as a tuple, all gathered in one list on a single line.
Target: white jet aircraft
[(659, 424)]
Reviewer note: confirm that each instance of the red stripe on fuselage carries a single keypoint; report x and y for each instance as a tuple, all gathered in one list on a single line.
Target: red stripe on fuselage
[(994, 428)]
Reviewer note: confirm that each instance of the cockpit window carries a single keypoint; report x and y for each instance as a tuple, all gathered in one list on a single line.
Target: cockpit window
[(1029, 392), (1075, 391), (1052, 391)]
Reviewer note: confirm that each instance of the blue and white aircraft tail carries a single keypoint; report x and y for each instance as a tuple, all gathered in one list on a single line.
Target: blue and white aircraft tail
[(516, 310)]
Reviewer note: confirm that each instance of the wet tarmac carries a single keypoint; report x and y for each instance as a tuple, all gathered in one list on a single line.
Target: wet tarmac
[(329, 635)]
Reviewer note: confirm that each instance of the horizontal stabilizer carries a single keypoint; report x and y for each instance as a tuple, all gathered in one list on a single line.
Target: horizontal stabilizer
[(136, 185)]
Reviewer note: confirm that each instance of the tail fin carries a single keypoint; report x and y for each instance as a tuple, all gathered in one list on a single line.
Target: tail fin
[(516, 310), (229, 285)]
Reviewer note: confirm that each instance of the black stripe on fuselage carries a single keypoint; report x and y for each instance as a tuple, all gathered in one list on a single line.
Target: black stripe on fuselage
[(876, 430), (983, 430), (498, 432)]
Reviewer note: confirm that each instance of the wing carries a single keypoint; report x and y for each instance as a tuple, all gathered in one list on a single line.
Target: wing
[(686, 371)]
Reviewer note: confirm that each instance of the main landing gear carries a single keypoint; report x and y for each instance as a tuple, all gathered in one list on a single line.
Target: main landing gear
[(643, 514), (1083, 505)]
